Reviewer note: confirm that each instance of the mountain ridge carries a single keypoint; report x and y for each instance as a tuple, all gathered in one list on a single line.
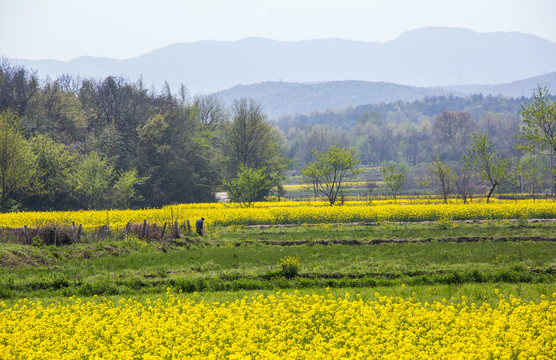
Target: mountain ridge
[(423, 57), (283, 98)]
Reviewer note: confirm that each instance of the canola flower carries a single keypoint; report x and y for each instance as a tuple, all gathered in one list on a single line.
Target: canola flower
[(292, 212), (279, 326)]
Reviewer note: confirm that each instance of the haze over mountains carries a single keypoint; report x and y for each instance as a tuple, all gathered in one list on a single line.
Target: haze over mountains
[(429, 57), (281, 98)]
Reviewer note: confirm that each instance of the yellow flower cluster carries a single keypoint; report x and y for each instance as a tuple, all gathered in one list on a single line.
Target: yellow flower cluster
[(280, 326), (287, 212)]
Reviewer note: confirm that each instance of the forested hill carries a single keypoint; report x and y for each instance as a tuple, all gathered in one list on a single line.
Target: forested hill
[(282, 98), (414, 112)]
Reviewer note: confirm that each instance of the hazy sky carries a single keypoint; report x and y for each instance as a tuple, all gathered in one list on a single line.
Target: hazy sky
[(65, 29)]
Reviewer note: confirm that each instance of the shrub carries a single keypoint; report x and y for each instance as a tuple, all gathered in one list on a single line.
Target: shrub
[(290, 266), (37, 241)]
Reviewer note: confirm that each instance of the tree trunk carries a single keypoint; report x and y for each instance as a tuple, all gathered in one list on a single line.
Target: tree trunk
[(490, 192)]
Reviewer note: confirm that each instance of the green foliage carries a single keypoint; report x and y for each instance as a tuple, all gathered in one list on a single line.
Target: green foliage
[(55, 163), (18, 164), (37, 241), (538, 130), (184, 149), (249, 186), (125, 191), (482, 158), (250, 140), (92, 179), (394, 178), (532, 172), (330, 170)]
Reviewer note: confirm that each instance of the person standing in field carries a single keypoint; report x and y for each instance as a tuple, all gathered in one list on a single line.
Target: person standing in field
[(199, 226)]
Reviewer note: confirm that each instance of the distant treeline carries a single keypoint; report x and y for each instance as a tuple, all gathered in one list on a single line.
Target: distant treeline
[(409, 112), (404, 131)]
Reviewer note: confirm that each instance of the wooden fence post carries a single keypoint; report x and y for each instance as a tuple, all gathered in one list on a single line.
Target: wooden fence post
[(144, 233), (55, 236), (127, 229), (177, 229), (163, 231), (27, 237)]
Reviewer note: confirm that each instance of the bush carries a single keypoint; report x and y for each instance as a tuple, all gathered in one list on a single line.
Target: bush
[(290, 266), (60, 283), (37, 241)]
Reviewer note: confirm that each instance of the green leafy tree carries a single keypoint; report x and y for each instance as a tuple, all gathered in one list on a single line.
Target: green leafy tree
[(125, 188), (538, 129), (249, 186), (330, 169), (250, 140), (18, 167), (55, 163), (92, 179), (537, 133), (482, 158), (57, 113), (394, 179), (531, 171)]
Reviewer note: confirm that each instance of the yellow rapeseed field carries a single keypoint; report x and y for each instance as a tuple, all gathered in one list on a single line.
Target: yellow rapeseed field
[(279, 326), (295, 212)]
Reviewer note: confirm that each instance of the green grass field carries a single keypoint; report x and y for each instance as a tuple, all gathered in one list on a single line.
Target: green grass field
[(430, 261)]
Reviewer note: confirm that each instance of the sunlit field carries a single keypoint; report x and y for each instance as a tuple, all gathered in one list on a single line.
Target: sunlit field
[(280, 326), (293, 212), (402, 288)]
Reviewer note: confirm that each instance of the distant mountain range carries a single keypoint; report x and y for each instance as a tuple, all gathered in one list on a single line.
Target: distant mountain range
[(424, 57), (281, 98)]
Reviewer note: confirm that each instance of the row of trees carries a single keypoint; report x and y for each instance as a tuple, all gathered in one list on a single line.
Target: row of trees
[(97, 143), (534, 136), (410, 132)]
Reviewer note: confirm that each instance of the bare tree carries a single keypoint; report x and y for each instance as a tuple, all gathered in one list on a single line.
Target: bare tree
[(451, 131), (440, 178), (463, 183), (17, 87), (371, 185), (209, 111)]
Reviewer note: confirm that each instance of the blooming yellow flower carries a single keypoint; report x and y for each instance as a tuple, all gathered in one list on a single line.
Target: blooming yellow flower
[(279, 326)]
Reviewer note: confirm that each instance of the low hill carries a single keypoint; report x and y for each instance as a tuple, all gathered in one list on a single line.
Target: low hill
[(282, 98)]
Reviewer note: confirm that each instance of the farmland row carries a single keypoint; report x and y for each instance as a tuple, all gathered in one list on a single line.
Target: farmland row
[(291, 212)]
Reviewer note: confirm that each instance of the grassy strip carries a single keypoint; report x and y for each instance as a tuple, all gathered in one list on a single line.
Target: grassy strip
[(246, 259), (207, 267), (388, 230)]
